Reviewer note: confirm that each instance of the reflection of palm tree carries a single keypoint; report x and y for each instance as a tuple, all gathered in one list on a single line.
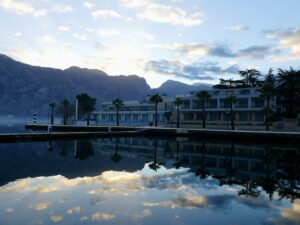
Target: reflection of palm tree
[(177, 164), (50, 146), (116, 157), (84, 150), (52, 105), (268, 182), (250, 189), (267, 91), (202, 171), (230, 170), (154, 165)]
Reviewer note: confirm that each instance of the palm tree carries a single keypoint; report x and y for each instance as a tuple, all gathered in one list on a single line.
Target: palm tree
[(117, 103), (231, 100), (178, 102), (66, 105), (267, 91), (288, 85), (154, 165), (52, 106), (116, 157), (203, 96), (156, 99)]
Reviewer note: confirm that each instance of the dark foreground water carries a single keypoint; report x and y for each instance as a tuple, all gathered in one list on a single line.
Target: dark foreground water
[(149, 181)]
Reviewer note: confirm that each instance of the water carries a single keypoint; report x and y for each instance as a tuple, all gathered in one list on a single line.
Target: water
[(149, 181)]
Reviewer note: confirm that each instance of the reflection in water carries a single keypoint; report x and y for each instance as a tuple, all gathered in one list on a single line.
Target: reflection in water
[(143, 181)]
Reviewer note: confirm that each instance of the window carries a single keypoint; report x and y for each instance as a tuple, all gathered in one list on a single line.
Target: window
[(244, 92)]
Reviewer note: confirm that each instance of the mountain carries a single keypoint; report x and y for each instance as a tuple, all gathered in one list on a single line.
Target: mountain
[(25, 89), (173, 88)]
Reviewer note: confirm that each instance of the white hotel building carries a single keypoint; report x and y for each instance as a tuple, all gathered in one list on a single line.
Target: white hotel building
[(249, 108)]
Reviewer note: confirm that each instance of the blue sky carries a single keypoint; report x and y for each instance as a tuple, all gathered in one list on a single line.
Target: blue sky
[(190, 41)]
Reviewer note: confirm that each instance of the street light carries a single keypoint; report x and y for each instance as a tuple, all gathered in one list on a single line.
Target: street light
[(227, 117)]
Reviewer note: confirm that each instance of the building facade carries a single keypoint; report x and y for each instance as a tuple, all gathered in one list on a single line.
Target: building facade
[(248, 108)]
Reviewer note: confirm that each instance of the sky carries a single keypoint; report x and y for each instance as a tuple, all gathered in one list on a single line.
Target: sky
[(191, 41)]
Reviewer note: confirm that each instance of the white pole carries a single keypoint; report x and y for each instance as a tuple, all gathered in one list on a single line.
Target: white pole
[(76, 110)]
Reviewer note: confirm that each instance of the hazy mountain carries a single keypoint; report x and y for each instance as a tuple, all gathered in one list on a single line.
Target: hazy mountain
[(173, 88), (25, 89)]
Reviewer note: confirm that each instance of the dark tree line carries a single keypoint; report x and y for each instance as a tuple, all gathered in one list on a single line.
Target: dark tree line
[(285, 85)]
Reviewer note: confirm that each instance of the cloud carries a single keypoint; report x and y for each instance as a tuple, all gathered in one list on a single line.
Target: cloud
[(288, 39), (101, 47), (161, 13), (108, 32), (194, 71), (145, 213), (88, 5), (106, 14), (47, 39), (81, 37), (77, 209), (146, 36), (102, 216), (64, 28), (255, 51), (292, 214), (238, 28), (18, 34), (21, 7), (41, 206), (62, 8)]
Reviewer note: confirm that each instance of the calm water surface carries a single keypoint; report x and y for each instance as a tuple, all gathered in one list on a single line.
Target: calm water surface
[(148, 181)]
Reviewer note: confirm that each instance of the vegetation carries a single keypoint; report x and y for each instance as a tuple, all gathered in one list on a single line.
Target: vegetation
[(203, 96), (86, 105), (178, 102), (117, 103), (52, 105), (156, 99), (66, 109)]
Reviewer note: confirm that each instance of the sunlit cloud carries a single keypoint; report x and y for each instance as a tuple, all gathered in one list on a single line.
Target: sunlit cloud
[(97, 216), (41, 206), (141, 215), (19, 7), (161, 13), (56, 218), (77, 209), (18, 34), (81, 37), (63, 28), (238, 28), (62, 8), (88, 5), (292, 213), (105, 14), (47, 39), (108, 32)]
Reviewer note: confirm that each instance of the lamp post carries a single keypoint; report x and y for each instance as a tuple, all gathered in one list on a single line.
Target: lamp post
[(227, 118)]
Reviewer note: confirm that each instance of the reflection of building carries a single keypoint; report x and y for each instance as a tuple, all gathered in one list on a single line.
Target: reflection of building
[(248, 162), (249, 108)]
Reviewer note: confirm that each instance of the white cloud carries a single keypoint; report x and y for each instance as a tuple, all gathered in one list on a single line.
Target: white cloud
[(161, 13), (108, 32), (81, 37), (63, 28), (238, 28), (89, 29), (146, 36), (18, 34), (62, 8), (88, 5), (47, 39), (56, 218), (105, 14), (21, 7), (17, 7)]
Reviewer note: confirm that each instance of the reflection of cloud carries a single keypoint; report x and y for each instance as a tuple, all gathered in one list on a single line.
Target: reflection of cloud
[(41, 206), (145, 213), (9, 210), (180, 201), (56, 218), (77, 209), (102, 216), (293, 213)]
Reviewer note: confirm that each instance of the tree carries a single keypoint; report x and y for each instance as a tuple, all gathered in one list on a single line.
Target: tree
[(117, 103), (154, 165), (86, 106), (52, 105), (270, 78), (116, 157), (289, 90), (250, 77), (231, 100), (156, 99), (178, 102), (66, 109), (177, 164), (267, 91), (203, 96)]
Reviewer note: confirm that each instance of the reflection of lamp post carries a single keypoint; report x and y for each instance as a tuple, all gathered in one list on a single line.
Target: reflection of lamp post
[(227, 117)]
